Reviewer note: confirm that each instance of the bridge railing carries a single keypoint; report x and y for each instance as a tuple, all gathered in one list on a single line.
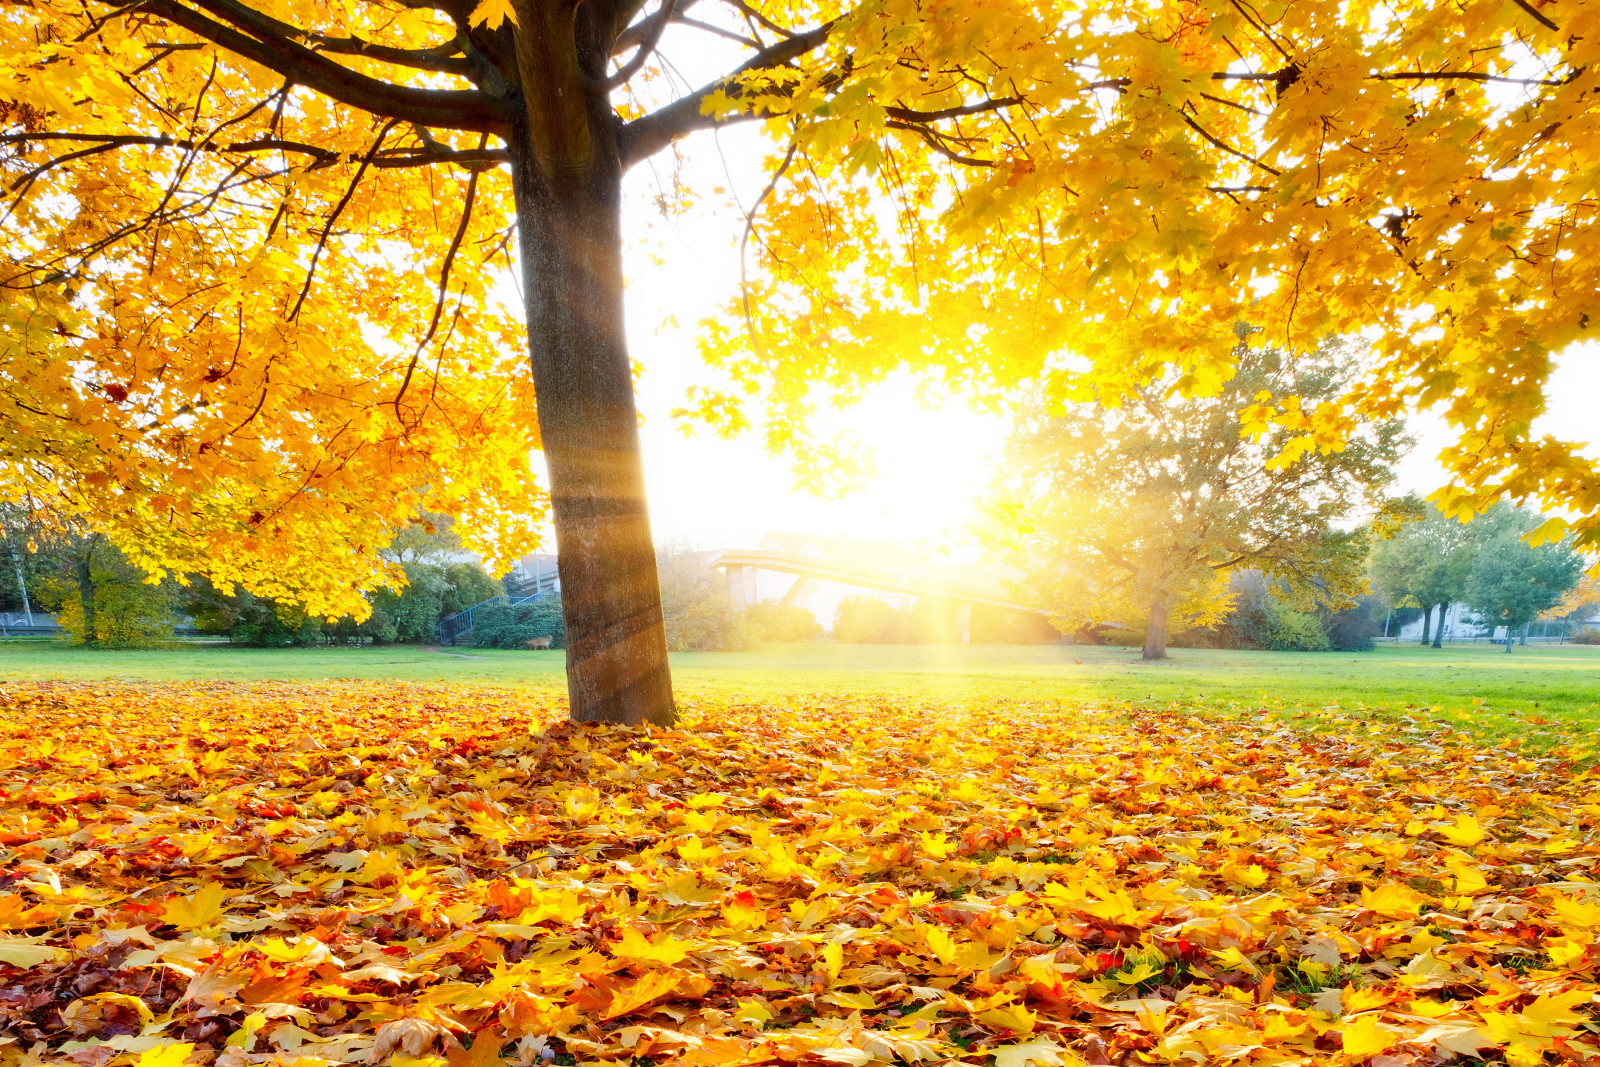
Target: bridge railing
[(452, 628), (28, 622)]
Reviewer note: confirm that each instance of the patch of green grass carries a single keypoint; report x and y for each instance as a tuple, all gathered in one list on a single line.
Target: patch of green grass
[(1539, 696), (1306, 977)]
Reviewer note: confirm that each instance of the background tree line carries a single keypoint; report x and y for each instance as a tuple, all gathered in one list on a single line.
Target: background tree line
[(1183, 516), (101, 598)]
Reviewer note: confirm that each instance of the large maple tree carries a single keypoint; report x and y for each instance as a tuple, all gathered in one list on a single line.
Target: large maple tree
[(247, 310)]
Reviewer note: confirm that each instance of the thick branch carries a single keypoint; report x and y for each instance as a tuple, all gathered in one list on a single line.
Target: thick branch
[(460, 109), (646, 49), (644, 137), (445, 58), (1537, 15), (759, 19), (389, 158), (437, 58), (645, 28), (1468, 75), (906, 114), (936, 141)]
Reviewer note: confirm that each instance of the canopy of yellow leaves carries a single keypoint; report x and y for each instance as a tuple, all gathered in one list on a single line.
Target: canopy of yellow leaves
[(250, 332), (255, 365), (1420, 175), (242, 874)]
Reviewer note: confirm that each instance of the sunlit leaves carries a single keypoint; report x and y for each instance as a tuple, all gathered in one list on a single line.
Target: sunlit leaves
[(831, 882)]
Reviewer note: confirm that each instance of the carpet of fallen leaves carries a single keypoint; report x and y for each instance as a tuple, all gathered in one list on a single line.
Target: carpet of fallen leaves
[(239, 874)]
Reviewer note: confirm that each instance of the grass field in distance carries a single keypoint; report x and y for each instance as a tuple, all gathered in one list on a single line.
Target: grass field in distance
[(1474, 686)]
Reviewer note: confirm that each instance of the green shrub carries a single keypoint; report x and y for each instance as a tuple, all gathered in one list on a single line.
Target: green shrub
[(467, 584), (1129, 637), (127, 610), (500, 625), (1296, 631), (409, 614), (1356, 628), (772, 621), (862, 620), (696, 608), (127, 614)]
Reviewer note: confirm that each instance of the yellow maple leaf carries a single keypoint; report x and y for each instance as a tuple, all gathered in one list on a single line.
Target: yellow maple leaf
[(1394, 900), (1469, 878), (1013, 1017), (1364, 1038), (1039, 1050), (635, 947), (27, 951), (634, 995), (201, 908), (492, 13), (170, 1054), (833, 958), (939, 942), (1552, 1014), (1251, 877), (1575, 914), (1466, 831), (1234, 959)]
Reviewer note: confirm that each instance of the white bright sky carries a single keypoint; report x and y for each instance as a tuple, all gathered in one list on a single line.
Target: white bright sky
[(930, 464)]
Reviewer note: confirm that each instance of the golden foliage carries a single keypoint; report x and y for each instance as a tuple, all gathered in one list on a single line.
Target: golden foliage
[(239, 342), (253, 873), (1412, 174), (253, 365)]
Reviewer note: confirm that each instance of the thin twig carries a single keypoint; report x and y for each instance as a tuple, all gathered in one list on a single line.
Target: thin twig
[(444, 284), (322, 239)]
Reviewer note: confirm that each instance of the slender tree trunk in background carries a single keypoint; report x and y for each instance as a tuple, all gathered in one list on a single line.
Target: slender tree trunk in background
[(1438, 631), (1155, 634), (1524, 639), (84, 576), (1427, 622), (1510, 638), (567, 181)]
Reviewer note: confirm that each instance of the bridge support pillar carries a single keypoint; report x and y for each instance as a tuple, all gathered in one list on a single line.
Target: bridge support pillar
[(742, 585)]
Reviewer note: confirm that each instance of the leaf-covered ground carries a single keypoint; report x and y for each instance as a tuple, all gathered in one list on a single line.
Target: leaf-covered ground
[(270, 873)]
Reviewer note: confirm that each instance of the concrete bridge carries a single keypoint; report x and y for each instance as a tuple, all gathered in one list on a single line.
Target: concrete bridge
[(740, 565)]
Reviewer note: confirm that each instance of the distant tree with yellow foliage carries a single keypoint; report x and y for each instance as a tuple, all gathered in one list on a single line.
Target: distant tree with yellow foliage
[(1137, 513)]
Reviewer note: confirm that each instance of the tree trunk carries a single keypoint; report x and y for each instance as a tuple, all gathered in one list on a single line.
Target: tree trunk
[(1438, 631), (1510, 638), (1427, 622), (82, 573), (567, 181), (1523, 640), (1155, 634)]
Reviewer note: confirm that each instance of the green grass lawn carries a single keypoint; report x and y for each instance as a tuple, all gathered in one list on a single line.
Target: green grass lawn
[(1475, 686)]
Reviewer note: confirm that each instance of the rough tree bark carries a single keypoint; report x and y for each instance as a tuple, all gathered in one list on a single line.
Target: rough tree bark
[(83, 575), (1438, 631), (1155, 634), (567, 180), (1427, 622)]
